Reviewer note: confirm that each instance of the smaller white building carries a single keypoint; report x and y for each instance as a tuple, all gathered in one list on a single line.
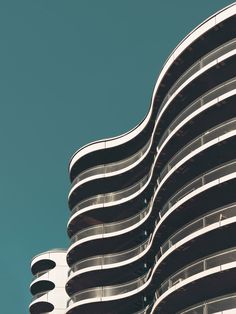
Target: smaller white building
[(50, 272)]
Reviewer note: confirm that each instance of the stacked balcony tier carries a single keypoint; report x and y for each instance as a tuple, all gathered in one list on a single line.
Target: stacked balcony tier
[(48, 286), (153, 212)]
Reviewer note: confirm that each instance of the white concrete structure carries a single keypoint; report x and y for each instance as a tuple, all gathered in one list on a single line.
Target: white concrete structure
[(50, 272)]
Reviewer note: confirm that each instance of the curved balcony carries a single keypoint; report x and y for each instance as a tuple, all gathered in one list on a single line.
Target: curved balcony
[(222, 304), (167, 188), (113, 168), (182, 277), (218, 94), (111, 197), (186, 234), (196, 107), (216, 216), (107, 293), (41, 267), (41, 286), (204, 224), (110, 260), (212, 178), (208, 266), (41, 307), (111, 229), (195, 34), (197, 67), (143, 281), (211, 137)]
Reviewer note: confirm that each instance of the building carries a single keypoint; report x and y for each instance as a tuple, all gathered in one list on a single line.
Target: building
[(153, 212), (50, 272)]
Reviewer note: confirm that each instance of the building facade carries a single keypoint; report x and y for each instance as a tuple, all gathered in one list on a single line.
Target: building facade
[(153, 212), (50, 272)]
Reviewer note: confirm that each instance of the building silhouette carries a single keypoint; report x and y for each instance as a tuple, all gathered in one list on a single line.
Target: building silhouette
[(153, 211)]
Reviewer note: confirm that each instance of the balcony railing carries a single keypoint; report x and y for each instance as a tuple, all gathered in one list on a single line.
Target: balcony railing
[(101, 260), (112, 167), (201, 101), (209, 262), (220, 214), (196, 143), (204, 264), (108, 291), (114, 196), (217, 305), (208, 96), (111, 227), (211, 134), (111, 197), (209, 219), (200, 181), (207, 59)]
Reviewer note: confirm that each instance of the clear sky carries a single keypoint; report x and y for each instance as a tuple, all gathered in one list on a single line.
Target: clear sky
[(71, 72)]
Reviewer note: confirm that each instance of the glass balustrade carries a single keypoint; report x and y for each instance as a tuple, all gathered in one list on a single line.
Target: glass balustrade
[(200, 181), (116, 166), (204, 99), (111, 227), (207, 59), (200, 223), (218, 305), (109, 291), (112, 167), (206, 137), (225, 257), (207, 220), (213, 217), (111, 197), (107, 259), (196, 143), (209, 262), (216, 92)]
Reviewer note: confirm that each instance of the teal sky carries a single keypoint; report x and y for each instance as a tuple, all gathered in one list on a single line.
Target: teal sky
[(71, 72)]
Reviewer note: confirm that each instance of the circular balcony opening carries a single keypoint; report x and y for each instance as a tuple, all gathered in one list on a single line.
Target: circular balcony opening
[(41, 307), (42, 286), (42, 265)]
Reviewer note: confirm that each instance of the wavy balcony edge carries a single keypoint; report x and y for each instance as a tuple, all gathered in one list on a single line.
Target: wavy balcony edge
[(206, 25)]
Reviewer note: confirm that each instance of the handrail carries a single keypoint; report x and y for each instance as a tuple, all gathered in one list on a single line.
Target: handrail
[(203, 264), (207, 59), (107, 291), (212, 175), (219, 304), (204, 138), (114, 138), (197, 183), (102, 198), (214, 216), (115, 166), (109, 258)]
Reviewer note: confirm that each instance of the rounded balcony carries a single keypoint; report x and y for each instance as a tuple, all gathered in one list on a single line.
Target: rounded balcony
[(194, 40), (50, 274)]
